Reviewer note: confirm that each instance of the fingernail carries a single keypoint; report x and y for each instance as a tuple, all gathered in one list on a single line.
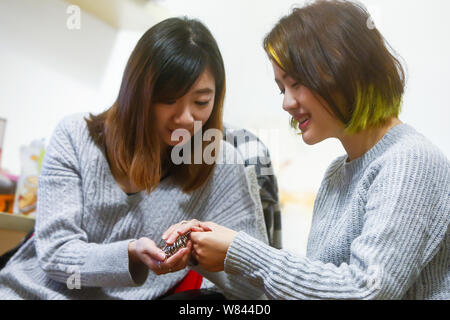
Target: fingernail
[(161, 255)]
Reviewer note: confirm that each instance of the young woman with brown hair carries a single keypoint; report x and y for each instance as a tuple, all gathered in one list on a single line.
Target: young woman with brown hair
[(380, 227), (109, 188)]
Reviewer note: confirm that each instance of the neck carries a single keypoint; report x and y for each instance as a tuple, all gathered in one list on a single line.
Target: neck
[(358, 144)]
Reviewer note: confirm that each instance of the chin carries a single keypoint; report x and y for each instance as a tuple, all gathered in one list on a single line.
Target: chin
[(173, 143), (170, 143), (310, 140), (168, 140), (176, 143), (310, 143)]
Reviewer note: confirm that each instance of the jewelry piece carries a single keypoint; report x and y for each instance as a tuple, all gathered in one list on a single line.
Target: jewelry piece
[(179, 243)]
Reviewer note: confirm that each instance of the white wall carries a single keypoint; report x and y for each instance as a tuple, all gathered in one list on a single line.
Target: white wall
[(49, 71)]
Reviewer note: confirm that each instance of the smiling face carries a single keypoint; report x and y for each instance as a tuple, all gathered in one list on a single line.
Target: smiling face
[(196, 105), (309, 110)]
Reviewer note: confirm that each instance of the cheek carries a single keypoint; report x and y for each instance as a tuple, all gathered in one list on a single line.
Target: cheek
[(208, 113), (328, 126), (204, 114), (304, 96), (161, 117)]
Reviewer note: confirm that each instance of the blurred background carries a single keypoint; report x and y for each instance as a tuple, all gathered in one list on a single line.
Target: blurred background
[(61, 57)]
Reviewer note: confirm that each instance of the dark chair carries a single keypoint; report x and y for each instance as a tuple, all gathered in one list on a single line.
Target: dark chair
[(6, 256)]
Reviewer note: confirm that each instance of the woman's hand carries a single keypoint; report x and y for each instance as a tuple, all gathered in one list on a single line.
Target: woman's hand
[(210, 248), (181, 228), (144, 252)]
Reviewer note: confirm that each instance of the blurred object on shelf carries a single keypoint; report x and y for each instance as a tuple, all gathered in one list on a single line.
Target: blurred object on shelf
[(26, 193), (305, 199), (7, 183), (2, 136), (6, 203), (288, 197), (14, 178)]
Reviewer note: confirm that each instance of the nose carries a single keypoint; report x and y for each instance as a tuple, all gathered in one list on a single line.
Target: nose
[(289, 102), (184, 117)]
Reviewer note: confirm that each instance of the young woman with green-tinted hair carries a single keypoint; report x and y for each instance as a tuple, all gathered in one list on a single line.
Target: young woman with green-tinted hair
[(380, 227)]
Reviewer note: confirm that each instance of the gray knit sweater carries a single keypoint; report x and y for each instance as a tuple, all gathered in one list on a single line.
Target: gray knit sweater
[(85, 222), (380, 230)]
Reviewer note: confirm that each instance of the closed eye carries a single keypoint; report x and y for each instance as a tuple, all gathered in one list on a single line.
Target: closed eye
[(202, 103), (293, 86)]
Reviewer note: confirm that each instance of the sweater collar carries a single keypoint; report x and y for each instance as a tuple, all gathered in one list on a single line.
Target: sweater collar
[(389, 139)]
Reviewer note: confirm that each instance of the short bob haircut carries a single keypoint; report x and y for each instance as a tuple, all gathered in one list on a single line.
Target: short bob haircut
[(163, 66), (333, 49)]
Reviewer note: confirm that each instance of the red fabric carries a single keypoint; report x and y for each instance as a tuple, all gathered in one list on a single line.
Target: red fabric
[(192, 281)]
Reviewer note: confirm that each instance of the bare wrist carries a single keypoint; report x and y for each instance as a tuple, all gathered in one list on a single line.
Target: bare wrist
[(132, 251)]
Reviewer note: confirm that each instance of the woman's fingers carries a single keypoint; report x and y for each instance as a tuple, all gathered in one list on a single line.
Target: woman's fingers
[(155, 259), (149, 254), (207, 226), (185, 255), (169, 231), (176, 262), (174, 231), (195, 238), (210, 248), (181, 228), (172, 228), (148, 247), (167, 234), (152, 264)]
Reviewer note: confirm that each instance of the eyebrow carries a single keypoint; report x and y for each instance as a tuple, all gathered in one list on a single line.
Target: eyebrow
[(204, 90)]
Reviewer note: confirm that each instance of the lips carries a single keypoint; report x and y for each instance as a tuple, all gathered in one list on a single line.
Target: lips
[(181, 135), (303, 125), (172, 130), (303, 120)]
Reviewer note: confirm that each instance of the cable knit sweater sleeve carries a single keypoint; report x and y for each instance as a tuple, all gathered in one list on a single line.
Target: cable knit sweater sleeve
[(404, 204), (62, 245)]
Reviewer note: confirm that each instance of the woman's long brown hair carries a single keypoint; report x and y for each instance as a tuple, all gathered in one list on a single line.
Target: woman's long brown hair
[(165, 63)]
